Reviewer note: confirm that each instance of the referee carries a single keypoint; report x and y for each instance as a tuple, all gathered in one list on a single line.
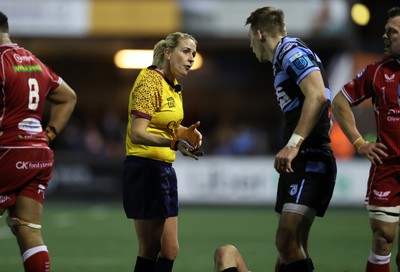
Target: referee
[(154, 133)]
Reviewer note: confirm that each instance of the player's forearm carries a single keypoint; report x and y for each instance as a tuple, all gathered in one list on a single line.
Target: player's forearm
[(345, 118), (60, 115), (143, 137)]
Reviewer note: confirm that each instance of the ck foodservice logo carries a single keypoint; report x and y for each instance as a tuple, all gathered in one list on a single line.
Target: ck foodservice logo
[(25, 165)]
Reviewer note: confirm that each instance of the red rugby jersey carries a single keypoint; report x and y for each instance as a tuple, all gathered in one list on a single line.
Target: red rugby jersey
[(380, 81), (24, 84)]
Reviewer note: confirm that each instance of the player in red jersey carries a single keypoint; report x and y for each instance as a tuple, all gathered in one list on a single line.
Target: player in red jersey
[(26, 161), (381, 82)]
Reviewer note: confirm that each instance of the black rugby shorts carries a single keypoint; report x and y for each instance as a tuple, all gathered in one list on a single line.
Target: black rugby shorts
[(312, 182), (149, 188)]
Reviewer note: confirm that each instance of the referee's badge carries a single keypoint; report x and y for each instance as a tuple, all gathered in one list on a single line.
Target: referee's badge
[(171, 102)]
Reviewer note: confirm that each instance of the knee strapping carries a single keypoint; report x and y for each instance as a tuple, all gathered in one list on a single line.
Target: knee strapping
[(15, 221), (386, 214)]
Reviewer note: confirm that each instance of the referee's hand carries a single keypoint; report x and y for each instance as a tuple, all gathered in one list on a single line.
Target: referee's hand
[(188, 150)]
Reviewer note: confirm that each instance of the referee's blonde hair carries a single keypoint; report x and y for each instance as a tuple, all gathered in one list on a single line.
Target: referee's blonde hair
[(170, 42)]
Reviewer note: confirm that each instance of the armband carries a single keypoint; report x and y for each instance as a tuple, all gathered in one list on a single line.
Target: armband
[(51, 133), (295, 141), (358, 143)]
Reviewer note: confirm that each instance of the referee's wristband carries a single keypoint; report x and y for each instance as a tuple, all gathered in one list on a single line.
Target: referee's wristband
[(174, 144), (358, 143), (295, 141)]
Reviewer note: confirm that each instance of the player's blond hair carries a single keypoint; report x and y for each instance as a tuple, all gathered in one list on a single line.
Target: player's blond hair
[(268, 19), (170, 42)]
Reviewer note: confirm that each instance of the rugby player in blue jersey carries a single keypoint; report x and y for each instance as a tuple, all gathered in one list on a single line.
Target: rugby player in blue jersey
[(306, 163)]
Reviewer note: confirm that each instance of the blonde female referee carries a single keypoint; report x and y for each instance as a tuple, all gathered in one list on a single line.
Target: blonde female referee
[(154, 133)]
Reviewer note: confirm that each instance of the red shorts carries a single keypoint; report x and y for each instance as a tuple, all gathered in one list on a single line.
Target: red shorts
[(24, 172), (384, 184)]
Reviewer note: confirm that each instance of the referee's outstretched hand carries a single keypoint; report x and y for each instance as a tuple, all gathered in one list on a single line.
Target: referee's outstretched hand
[(188, 150), (193, 135)]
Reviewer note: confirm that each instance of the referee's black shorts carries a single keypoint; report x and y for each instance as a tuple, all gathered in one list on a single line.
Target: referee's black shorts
[(312, 182), (149, 188)]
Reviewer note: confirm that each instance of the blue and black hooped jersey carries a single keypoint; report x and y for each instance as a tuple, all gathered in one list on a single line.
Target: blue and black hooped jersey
[(293, 61)]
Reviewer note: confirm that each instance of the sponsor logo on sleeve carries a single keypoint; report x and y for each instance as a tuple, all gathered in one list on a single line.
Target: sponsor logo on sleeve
[(299, 61)]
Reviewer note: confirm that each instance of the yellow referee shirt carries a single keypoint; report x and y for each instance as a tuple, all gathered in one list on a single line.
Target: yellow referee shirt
[(154, 99)]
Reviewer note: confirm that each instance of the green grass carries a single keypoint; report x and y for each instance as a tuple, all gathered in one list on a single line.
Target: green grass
[(89, 237)]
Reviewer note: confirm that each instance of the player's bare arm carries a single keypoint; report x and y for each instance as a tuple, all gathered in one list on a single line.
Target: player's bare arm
[(63, 101), (374, 152)]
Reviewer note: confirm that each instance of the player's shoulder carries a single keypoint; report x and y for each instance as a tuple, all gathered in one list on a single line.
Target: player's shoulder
[(383, 64), (390, 62), (290, 44), (8, 46), (17, 54), (15, 48), (378, 66)]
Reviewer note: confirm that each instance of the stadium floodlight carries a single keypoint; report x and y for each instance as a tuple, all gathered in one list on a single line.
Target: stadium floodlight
[(141, 58), (360, 14)]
